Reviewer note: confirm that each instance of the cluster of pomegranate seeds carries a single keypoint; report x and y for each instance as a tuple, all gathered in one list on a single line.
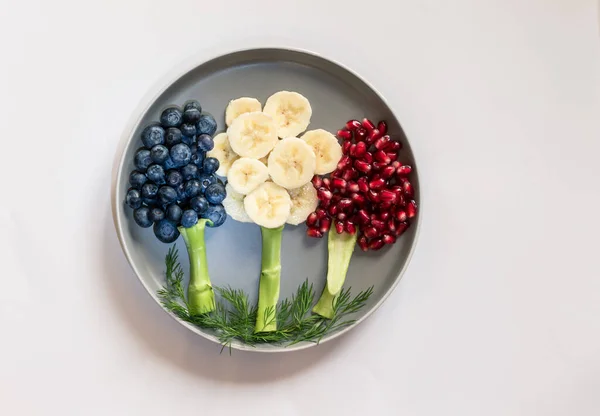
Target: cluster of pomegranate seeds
[(369, 193)]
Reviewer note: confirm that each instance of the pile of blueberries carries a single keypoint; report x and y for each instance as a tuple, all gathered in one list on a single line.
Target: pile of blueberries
[(174, 183)]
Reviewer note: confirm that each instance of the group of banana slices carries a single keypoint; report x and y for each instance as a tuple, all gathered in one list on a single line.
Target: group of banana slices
[(268, 179)]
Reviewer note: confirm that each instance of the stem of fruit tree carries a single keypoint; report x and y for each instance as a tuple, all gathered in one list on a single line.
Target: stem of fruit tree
[(340, 248), (270, 276), (201, 296)]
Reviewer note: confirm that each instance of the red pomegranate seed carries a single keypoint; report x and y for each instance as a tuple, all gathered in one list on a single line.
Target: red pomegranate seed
[(401, 228), (360, 134), (332, 210), (377, 184), (344, 134), (345, 204), (403, 170), (353, 125), (373, 136), (341, 216), (352, 151), (384, 205), (392, 146), (324, 225), (360, 149), (383, 216), (378, 224), (373, 196), (368, 157), (352, 187), (344, 162), (363, 217), (362, 166), (388, 172), (358, 199), (312, 218), (313, 232), (324, 194), (321, 213), (382, 142), (326, 183), (338, 183), (376, 244), (362, 184), (317, 181), (411, 209), (370, 232), (346, 147), (379, 165), (382, 127), (349, 227), (348, 174), (391, 226), (407, 187), (339, 227), (382, 157), (389, 239), (368, 124), (387, 196), (392, 155), (401, 215), (363, 243), (396, 164)]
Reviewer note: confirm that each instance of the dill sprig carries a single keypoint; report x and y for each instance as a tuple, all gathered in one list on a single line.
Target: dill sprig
[(234, 317)]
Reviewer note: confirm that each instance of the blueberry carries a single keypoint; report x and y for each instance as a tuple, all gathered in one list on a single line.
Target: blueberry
[(192, 104), (133, 198), (174, 213), (166, 231), (173, 136), (190, 171), (167, 195), (198, 159), (153, 135), (142, 217), (142, 160), (149, 191), (169, 164), (171, 117), (191, 115), (205, 142), (150, 202), (189, 218), (137, 179), (159, 154), (215, 193), (181, 154), (174, 178), (189, 140), (206, 125), (188, 129), (210, 165), (181, 196), (216, 214), (156, 214), (193, 188), (206, 180), (156, 174), (199, 204)]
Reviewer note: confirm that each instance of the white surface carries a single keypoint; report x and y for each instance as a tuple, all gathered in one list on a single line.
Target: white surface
[(499, 311)]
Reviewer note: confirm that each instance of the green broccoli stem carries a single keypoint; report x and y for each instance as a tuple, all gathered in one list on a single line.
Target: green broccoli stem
[(200, 293), (340, 248), (270, 276)]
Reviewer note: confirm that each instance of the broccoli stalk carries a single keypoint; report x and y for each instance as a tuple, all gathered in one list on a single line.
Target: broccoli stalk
[(340, 248), (268, 292), (201, 296)]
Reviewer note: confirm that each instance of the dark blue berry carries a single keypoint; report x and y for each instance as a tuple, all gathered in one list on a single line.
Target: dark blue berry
[(206, 180), (153, 135), (190, 171), (167, 195), (173, 136), (133, 198), (142, 217), (193, 188), (174, 178), (181, 196), (166, 231), (150, 202), (192, 104), (169, 164), (189, 140), (149, 190), (159, 154), (171, 117), (189, 218), (137, 179), (199, 204), (191, 115), (198, 159), (142, 160), (174, 213), (206, 125), (210, 165), (156, 214), (215, 193), (181, 154), (216, 214), (188, 129), (205, 142), (156, 174)]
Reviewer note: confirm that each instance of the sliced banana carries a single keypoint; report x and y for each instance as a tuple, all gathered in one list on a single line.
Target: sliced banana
[(252, 135), (269, 205), (246, 174), (223, 153), (292, 163), (234, 205), (327, 149), (304, 201), (241, 106), (291, 112)]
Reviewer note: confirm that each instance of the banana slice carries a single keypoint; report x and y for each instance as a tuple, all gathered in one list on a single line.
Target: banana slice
[(246, 174), (291, 112), (327, 149), (304, 201), (234, 205), (223, 153), (241, 106), (269, 205), (292, 163), (252, 135)]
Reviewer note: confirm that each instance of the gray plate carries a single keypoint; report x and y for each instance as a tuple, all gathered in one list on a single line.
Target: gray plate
[(336, 95)]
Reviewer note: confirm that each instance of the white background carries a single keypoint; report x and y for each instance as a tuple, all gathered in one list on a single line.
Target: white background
[(499, 312)]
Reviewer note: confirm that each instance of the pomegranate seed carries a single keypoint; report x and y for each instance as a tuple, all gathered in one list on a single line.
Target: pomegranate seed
[(352, 151), (353, 125), (362, 184), (360, 149), (363, 243), (326, 183), (320, 213), (332, 210), (368, 124), (382, 157), (396, 164), (376, 244), (344, 134), (312, 218), (363, 217), (407, 187), (403, 170), (392, 155), (342, 216), (338, 183), (358, 199), (344, 162), (324, 225), (346, 147), (373, 136), (411, 209), (384, 205), (368, 157), (373, 196), (383, 216), (382, 142), (324, 194), (352, 187), (348, 174), (339, 227), (317, 181), (378, 224), (336, 198), (389, 239), (313, 232), (362, 166), (401, 228), (350, 227), (379, 165), (401, 215), (377, 184), (360, 134), (391, 226), (345, 204), (392, 146), (370, 232), (388, 172), (336, 173), (382, 127), (387, 196)]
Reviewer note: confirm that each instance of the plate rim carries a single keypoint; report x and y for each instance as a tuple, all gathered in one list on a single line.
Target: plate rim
[(158, 88)]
